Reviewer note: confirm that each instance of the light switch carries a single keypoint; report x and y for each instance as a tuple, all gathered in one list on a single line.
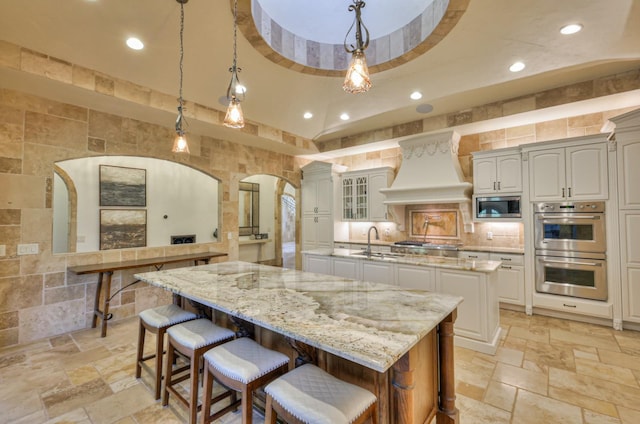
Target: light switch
[(3, 250), (28, 249)]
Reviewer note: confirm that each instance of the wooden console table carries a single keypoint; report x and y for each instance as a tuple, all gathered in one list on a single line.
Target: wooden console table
[(107, 269)]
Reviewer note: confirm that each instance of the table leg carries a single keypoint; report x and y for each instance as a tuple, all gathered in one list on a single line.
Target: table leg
[(97, 313), (447, 411)]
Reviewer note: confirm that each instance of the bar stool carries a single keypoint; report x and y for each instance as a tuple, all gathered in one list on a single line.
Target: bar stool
[(156, 321), (310, 395), (241, 365), (191, 339)]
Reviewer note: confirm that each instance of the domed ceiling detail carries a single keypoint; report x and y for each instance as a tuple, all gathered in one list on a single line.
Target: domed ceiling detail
[(309, 37)]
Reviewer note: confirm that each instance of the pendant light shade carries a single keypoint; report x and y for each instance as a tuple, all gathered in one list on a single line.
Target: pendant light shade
[(357, 79), (235, 92), (180, 144)]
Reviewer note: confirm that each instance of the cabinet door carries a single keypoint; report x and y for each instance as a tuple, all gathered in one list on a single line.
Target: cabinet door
[(377, 272), (308, 192), (345, 267), (415, 277), (472, 313), (511, 284), (484, 175), (509, 173), (361, 199), (318, 264), (587, 172), (629, 174), (547, 175), (324, 231), (309, 232), (377, 208), (324, 196), (630, 261), (347, 198)]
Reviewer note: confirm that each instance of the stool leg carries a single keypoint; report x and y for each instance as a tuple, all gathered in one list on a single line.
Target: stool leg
[(141, 334), (167, 375), (269, 414), (206, 396), (159, 349), (193, 395), (247, 405)]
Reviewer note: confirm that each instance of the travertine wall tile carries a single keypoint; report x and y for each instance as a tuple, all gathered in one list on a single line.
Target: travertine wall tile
[(62, 294), (36, 225), (551, 130), (9, 55), (8, 320), (51, 130), (10, 217), (41, 64), (17, 293), (83, 77), (21, 191), (54, 279)]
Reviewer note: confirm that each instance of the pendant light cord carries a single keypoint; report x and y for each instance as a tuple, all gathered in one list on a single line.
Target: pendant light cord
[(180, 99)]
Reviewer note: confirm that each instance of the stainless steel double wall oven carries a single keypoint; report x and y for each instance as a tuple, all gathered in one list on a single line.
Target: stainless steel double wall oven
[(570, 245)]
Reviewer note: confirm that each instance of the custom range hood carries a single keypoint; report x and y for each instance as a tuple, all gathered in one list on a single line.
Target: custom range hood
[(430, 173)]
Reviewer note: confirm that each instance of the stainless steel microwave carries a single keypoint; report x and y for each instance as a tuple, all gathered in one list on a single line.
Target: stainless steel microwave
[(497, 207)]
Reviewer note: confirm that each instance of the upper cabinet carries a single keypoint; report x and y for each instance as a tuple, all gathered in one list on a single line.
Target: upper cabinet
[(361, 197), (497, 172), (577, 172)]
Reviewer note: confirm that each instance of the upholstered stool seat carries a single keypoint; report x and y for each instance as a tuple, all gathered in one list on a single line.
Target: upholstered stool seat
[(156, 321), (310, 395), (192, 339), (241, 365)]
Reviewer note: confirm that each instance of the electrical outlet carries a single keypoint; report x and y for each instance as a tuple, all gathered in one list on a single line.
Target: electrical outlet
[(489, 235), (3, 250), (28, 249), (230, 235)]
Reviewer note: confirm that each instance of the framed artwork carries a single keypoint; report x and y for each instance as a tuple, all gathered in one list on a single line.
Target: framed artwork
[(120, 186), (441, 223), (122, 228)]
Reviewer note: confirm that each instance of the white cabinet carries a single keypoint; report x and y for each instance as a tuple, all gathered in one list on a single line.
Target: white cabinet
[(497, 173), (317, 206), (320, 264), (628, 159), (630, 258), (378, 272), (361, 197), (478, 314), (577, 172), (346, 267), (415, 277), (510, 278)]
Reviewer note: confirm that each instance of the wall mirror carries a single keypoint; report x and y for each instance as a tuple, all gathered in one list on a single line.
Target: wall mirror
[(112, 202), (249, 208)]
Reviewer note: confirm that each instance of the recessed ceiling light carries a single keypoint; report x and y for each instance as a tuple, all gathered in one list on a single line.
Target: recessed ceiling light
[(416, 95), (135, 43), (308, 115), (344, 117), (570, 29), (516, 67)]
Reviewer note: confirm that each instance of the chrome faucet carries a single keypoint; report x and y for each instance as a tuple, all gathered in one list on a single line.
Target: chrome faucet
[(368, 251)]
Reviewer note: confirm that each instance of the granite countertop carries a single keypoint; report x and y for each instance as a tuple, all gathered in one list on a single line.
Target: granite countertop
[(423, 260), (368, 323)]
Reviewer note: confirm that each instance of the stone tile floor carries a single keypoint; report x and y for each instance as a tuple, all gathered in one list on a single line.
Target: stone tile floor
[(546, 370)]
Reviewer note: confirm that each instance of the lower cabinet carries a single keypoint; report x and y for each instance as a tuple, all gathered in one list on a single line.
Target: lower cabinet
[(415, 277), (347, 268), (377, 272), (320, 264), (478, 314), (510, 277), (477, 325)]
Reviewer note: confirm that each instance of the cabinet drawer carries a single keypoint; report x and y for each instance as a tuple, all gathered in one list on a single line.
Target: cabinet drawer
[(507, 258), (467, 254), (573, 305)]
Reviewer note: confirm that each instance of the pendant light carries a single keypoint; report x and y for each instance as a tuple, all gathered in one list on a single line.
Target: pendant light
[(357, 79), (180, 143), (235, 92)]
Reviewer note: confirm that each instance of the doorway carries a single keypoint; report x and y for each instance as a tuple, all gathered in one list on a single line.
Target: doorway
[(288, 230)]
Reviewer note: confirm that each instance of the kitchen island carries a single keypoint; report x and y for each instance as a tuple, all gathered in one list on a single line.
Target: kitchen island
[(396, 343), (478, 323)]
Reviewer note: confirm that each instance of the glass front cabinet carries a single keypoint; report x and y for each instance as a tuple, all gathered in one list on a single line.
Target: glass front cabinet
[(361, 197)]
